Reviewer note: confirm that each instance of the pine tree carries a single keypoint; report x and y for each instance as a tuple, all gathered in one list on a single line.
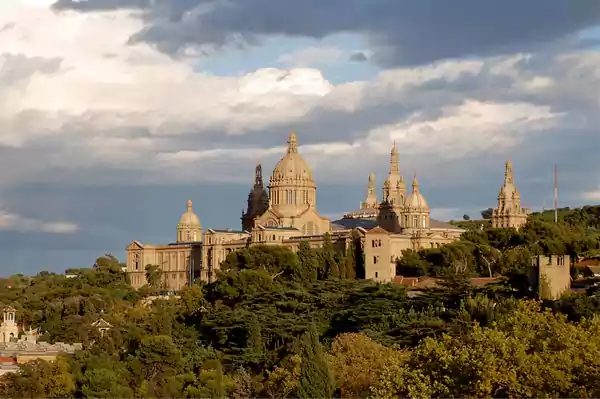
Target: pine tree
[(316, 378), (255, 342), (359, 256), (309, 262), (350, 261), (330, 267)]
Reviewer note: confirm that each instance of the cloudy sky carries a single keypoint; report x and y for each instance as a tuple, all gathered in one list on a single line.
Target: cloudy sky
[(113, 113)]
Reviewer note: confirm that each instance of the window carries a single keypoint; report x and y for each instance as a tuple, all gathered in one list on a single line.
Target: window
[(376, 275), (375, 259)]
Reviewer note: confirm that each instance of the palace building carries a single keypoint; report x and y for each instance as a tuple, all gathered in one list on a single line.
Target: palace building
[(286, 214)]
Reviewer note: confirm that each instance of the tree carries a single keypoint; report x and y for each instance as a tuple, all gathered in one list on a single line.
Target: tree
[(357, 362), (350, 260), (316, 379), (487, 213), (511, 359), (330, 267), (284, 379), (359, 255), (154, 276), (309, 261), (39, 379)]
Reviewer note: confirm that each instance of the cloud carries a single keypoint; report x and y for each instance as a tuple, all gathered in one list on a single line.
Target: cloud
[(16, 222), (106, 110), (400, 32), (312, 56), (358, 57), (592, 195)]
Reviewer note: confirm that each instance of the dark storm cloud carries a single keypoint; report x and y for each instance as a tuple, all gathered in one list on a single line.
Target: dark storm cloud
[(358, 57), (402, 32)]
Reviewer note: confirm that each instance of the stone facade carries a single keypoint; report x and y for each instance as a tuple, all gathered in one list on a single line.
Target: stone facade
[(509, 213), (551, 275), (177, 260), (288, 215)]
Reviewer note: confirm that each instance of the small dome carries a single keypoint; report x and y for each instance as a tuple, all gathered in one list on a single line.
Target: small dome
[(415, 200), (189, 218), (292, 165)]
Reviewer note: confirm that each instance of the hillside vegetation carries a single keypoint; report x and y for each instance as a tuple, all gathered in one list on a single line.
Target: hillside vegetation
[(278, 324)]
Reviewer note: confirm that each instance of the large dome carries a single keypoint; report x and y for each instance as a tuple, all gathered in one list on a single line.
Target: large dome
[(189, 219), (291, 167), (292, 188)]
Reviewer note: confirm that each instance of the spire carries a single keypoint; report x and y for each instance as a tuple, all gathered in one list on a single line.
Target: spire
[(189, 206), (508, 173), (292, 143), (258, 180), (415, 184), (394, 165), (370, 201)]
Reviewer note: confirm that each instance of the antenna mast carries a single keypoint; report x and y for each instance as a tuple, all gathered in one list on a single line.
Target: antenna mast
[(555, 193)]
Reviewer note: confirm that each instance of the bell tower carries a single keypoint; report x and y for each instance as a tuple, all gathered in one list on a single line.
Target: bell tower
[(9, 331)]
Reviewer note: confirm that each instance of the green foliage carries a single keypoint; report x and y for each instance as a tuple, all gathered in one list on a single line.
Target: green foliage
[(316, 378), (254, 332), (154, 276)]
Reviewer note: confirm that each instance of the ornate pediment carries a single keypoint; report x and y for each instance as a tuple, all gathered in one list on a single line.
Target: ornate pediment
[(135, 245)]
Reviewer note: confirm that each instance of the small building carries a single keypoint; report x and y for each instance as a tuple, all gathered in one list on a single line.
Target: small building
[(15, 350)]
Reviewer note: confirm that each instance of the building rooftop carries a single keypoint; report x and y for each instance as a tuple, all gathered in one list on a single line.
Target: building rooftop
[(228, 231), (370, 222), (11, 348), (279, 228)]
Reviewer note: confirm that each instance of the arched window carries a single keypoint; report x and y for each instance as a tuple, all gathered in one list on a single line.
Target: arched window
[(136, 261)]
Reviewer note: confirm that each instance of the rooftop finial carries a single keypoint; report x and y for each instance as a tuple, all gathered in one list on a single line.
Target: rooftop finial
[(292, 143), (189, 205), (415, 183)]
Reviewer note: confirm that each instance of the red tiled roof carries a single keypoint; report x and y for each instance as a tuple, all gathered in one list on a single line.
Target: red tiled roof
[(4, 359), (430, 282), (407, 281), (482, 281), (588, 262)]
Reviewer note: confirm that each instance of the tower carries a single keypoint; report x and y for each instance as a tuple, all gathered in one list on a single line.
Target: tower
[(258, 200), (394, 188), (189, 228), (9, 331), (370, 201), (509, 213)]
